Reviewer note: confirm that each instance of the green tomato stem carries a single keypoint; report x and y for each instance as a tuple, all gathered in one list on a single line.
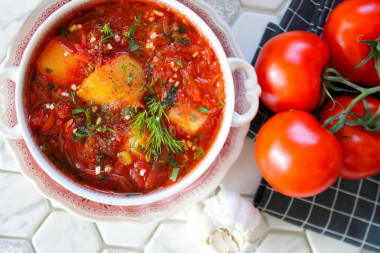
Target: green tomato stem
[(364, 92), (374, 119)]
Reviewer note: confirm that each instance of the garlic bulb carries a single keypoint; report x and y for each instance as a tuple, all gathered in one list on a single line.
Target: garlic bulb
[(226, 223)]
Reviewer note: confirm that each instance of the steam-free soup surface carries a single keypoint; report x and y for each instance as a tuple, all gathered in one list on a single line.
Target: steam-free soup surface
[(126, 97)]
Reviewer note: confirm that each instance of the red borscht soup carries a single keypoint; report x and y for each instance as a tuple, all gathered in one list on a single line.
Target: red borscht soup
[(125, 97)]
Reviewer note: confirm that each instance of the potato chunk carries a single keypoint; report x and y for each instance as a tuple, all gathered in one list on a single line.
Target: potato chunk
[(59, 64), (190, 122), (119, 81)]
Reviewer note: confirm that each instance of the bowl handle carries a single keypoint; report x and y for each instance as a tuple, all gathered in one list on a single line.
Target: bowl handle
[(10, 132), (252, 91)]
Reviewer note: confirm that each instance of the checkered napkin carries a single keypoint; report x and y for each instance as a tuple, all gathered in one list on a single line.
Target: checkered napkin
[(350, 209)]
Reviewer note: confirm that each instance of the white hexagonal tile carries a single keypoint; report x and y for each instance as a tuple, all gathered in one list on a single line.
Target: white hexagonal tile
[(15, 245), (276, 223), (171, 237), (120, 251), (271, 5), (325, 244), (63, 232), (276, 242), (12, 16), (181, 215), (56, 204), (8, 163), (248, 30), (244, 176), (227, 9), (127, 234), (19, 202)]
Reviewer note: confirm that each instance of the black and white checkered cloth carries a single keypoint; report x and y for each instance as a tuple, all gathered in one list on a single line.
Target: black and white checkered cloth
[(350, 209)]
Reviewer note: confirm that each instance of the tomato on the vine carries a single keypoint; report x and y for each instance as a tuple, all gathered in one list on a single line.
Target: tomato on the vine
[(350, 21), (289, 70), (361, 147), (296, 155)]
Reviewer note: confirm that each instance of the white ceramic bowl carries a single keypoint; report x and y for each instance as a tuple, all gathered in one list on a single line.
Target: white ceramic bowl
[(230, 118)]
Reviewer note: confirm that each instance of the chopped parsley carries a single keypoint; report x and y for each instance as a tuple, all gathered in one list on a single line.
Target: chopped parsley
[(132, 43), (182, 29), (199, 153), (179, 64), (183, 41), (169, 37), (48, 71), (203, 109), (172, 161)]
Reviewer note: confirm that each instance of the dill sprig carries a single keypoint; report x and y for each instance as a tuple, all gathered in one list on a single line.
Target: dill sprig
[(151, 120), (106, 33)]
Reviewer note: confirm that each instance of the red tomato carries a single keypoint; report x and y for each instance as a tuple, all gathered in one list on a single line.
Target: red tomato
[(348, 22), (289, 70), (361, 148), (296, 155)]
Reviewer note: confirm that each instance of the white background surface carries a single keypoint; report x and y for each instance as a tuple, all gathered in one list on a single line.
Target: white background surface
[(31, 223)]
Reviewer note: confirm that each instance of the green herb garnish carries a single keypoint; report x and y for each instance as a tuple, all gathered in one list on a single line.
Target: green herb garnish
[(72, 97), (199, 153), (106, 33), (192, 117), (132, 29), (123, 69), (159, 54), (129, 111), (174, 175), (151, 121), (172, 161), (183, 41), (150, 88), (91, 67), (182, 29), (48, 71), (90, 129), (168, 37), (203, 109), (129, 79), (179, 64)]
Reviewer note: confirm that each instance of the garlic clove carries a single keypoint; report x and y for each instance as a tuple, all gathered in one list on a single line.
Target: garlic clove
[(225, 223)]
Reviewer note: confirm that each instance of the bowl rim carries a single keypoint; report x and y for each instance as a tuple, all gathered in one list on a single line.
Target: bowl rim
[(153, 196)]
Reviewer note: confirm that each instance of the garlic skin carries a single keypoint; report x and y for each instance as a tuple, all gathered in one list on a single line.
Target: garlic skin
[(225, 223)]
